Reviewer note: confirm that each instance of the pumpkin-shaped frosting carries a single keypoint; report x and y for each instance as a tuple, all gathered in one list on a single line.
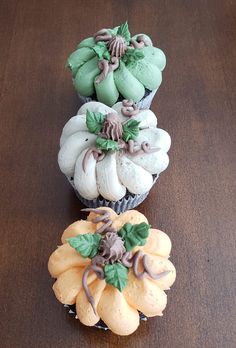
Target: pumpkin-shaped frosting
[(112, 151), (112, 64), (112, 267)]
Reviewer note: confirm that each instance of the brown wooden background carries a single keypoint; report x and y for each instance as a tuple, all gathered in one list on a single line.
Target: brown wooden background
[(194, 201)]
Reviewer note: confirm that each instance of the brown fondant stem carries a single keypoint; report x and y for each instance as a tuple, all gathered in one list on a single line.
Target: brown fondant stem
[(117, 46)]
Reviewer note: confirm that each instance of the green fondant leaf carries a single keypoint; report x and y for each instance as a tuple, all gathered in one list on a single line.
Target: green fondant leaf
[(132, 55), (85, 244), (130, 130), (134, 235), (106, 55), (94, 121), (101, 50), (124, 32), (116, 275), (106, 144)]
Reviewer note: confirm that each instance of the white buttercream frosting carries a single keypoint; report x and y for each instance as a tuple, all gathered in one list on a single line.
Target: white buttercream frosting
[(116, 172)]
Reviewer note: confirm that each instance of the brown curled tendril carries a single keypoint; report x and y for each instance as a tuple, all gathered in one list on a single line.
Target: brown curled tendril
[(97, 267), (140, 42), (86, 288), (139, 256), (97, 154), (104, 217), (144, 39), (134, 149), (149, 271), (106, 67), (127, 259), (137, 44), (103, 214), (102, 35), (114, 64), (129, 108), (148, 149), (136, 258), (106, 228)]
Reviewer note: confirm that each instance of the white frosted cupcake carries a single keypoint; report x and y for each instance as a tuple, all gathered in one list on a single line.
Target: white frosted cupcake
[(111, 268), (113, 156)]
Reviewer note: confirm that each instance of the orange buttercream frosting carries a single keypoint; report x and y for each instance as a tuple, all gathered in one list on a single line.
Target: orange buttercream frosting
[(119, 309)]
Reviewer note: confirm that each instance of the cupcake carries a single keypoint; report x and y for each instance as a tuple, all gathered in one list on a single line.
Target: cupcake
[(112, 268), (113, 65), (113, 156)]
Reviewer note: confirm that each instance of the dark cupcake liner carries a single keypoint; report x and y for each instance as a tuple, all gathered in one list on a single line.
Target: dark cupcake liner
[(100, 324), (128, 202), (144, 103)]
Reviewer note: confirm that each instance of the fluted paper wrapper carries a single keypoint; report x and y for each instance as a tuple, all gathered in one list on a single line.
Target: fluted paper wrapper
[(100, 324), (144, 103), (128, 202)]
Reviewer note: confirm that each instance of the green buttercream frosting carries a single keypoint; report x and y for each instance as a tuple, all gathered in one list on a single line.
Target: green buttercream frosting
[(155, 56), (139, 67), (128, 86), (146, 73), (84, 79), (89, 42), (106, 91), (78, 58)]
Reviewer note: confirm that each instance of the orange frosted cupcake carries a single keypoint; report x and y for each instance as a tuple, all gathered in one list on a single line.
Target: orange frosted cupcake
[(113, 269)]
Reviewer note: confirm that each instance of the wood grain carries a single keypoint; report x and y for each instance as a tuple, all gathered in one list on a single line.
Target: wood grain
[(194, 201)]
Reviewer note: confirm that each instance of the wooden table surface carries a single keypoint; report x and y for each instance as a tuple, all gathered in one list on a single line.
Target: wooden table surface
[(194, 200)]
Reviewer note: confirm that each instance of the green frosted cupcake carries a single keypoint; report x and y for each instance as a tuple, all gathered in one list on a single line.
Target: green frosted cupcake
[(112, 65)]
